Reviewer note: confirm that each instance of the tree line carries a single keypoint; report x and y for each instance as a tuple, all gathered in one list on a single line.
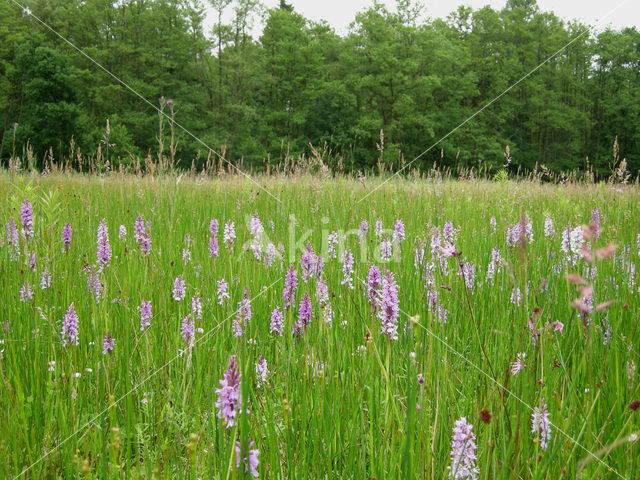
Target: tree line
[(381, 94)]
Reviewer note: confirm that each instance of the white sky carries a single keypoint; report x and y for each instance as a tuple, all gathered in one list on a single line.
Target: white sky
[(339, 13)]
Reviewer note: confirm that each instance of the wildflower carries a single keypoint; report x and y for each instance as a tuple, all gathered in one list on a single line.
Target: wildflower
[(229, 402), (518, 365), (463, 452), (104, 248), (277, 322), (307, 262), (493, 224), (378, 228), (32, 261), (213, 227), (196, 307), (595, 221), (305, 310), (145, 314), (322, 291), (262, 370), (107, 344), (528, 229), (332, 242), (558, 326), (70, 327), (516, 296), (255, 225), (213, 247), (469, 274), (494, 265), (94, 282), (398, 231), (251, 461), (244, 314), (270, 254), (66, 237), (229, 234), (418, 254), (145, 244), (122, 233), (448, 250), (12, 239), (386, 250), (26, 293), (549, 231), (45, 279), (347, 268), (388, 304), (290, 286), (540, 424), (514, 233), (186, 256), (139, 228), (363, 229), (327, 313), (374, 280), (187, 329), (26, 218), (449, 233), (223, 291), (178, 289)]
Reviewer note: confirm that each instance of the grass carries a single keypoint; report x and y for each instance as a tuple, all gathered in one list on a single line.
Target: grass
[(344, 400)]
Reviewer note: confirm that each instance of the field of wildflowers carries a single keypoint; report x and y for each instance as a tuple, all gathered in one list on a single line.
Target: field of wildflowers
[(183, 327)]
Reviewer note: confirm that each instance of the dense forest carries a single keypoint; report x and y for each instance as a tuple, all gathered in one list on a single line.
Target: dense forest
[(384, 92)]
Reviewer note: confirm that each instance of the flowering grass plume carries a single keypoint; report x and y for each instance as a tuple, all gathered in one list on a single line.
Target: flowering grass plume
[(463, 452), (229, 402)]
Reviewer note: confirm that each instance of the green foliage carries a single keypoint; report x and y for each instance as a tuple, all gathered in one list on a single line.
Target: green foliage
[(343, 401)]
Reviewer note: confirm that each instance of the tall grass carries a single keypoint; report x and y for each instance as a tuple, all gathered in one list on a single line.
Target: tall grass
[(344, 400)]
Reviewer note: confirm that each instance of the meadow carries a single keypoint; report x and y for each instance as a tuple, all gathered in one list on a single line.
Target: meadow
[(192, 327)]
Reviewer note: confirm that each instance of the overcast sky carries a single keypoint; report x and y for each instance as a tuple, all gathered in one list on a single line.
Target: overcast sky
[(339, 13)]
